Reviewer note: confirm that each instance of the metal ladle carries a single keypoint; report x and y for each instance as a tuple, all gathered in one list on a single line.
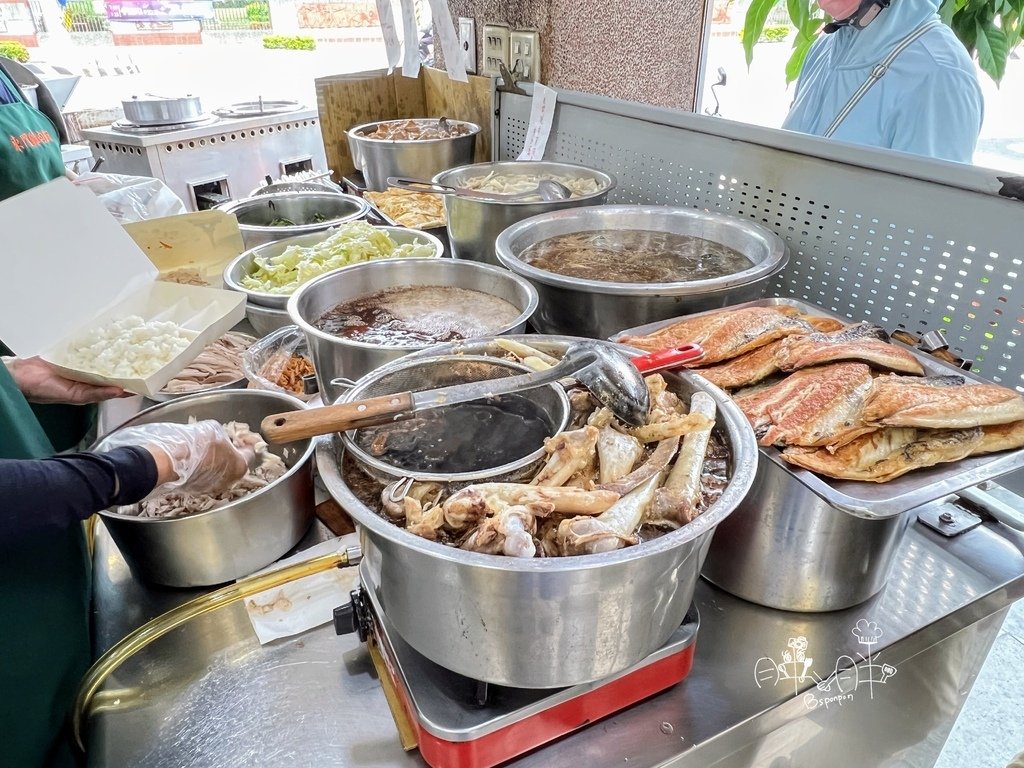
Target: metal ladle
[(607, 374), (548, 190)]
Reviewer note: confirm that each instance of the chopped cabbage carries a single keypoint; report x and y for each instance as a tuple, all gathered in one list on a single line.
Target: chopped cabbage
[(128, 348), (352, 243)]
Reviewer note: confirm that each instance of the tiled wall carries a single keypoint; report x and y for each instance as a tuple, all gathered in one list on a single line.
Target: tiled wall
[(640, 50)]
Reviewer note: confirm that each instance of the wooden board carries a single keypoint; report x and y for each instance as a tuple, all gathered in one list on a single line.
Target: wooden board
[(347, 100)]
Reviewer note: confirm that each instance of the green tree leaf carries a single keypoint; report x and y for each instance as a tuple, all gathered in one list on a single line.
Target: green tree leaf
[(796, 61), (799, 11), (753, 24), (992, 50)]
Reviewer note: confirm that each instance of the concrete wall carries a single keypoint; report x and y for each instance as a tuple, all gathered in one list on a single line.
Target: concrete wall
[(640, 50)]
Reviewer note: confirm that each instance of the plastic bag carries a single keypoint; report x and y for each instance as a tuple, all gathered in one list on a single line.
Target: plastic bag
[(278, 362), (133, 198)]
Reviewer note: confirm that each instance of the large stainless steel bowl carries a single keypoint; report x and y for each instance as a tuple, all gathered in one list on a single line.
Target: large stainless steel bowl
[(598, 309), (411, 158), (244, 264), (339, 361), (266, 320), (474, 225), (543, 622), (236, 539), (255, 214)]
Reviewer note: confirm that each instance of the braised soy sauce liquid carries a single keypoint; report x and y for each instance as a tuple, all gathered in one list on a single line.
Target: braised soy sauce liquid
[(418, 315), (466, 437), (635, 256)]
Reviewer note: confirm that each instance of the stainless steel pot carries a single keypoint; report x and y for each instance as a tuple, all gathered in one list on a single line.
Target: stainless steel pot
[(428, 372), (549, 622), (338, 360), (236, 539), (788, 548), (162, 110), (255, 214), (243, 264), (412, 158), (474, 225), (265, 320), (598, 309)]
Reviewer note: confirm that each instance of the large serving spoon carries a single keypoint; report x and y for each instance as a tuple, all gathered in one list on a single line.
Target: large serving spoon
[(606, 373), (548, 190)]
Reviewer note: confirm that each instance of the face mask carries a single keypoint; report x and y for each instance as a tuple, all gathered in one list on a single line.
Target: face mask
[(862, 15)]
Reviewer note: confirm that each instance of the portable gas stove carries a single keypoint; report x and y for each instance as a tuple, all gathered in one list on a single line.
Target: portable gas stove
[(461, 723)]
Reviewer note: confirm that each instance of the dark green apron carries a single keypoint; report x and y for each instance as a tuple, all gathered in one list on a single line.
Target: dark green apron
[(29, 147), (44, 645)]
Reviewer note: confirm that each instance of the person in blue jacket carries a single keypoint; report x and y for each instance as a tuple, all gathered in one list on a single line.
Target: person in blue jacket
[(889, 73)]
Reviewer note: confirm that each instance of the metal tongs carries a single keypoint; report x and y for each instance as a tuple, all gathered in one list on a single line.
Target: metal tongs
[(548, 190)]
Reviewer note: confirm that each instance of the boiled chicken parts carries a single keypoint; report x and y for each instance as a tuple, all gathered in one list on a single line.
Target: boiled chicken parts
[(610, 530), (675, 503), (596, 489)]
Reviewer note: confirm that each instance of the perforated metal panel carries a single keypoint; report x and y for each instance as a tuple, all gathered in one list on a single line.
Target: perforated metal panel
[(873, 235)]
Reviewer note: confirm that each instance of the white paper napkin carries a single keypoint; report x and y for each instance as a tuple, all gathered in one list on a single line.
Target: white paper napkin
[(304, 604)]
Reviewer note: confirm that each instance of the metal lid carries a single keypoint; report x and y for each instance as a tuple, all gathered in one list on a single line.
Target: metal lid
[(258, 108)]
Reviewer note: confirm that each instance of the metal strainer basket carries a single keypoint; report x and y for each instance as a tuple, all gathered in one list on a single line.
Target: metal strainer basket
[(428, 373)]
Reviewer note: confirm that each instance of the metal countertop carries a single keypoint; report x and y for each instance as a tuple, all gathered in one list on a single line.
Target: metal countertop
[(208, 694)]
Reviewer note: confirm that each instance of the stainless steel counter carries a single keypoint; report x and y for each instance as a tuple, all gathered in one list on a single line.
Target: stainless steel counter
[(208, 695)]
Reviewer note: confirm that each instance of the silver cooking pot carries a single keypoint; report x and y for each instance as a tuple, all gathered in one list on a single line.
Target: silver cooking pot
[(256, 214), (598, 309), (237, 538), (474, 224), (412, 158), (162, 110), (339, 360), (550, 622)]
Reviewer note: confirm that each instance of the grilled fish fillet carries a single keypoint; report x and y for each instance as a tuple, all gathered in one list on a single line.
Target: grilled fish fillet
[(862, 342), (940, 402), (888, 453), (817, 322), (1000, 437), (812, 407), (744, 370), (724, 335)]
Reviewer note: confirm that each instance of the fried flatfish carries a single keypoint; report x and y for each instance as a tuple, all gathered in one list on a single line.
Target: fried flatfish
[(940, 402), (886, 454), (863, 342), (724, 335), (746, 369), (1001, 437), (818, 406)]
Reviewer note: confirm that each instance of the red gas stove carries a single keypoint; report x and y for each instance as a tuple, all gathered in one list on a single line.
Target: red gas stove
[(457, 722)]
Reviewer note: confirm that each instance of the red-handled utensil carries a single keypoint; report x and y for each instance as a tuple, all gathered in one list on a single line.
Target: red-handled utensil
[(668, 358)]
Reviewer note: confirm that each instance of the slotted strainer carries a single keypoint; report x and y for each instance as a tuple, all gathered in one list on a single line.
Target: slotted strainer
[(447, 370)]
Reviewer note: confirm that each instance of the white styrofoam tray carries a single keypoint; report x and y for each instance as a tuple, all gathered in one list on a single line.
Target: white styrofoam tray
[(71, 267)]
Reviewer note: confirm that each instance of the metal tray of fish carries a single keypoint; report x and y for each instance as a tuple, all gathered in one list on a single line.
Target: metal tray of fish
[(867, 499)]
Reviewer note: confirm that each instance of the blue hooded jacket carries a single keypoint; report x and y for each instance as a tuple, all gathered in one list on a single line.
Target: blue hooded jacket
[(928, 102)]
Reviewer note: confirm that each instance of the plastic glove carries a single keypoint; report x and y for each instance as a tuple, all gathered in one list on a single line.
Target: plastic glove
[(202, 457)]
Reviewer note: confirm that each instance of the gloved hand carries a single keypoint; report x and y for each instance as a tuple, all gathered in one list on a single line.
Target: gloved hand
[(201, 456)]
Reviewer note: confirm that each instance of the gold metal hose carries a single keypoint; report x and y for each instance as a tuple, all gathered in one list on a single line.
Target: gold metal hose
[(155, 628)]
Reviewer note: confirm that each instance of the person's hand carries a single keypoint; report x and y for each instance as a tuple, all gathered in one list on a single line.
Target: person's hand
[(41, 382), (191, 458)]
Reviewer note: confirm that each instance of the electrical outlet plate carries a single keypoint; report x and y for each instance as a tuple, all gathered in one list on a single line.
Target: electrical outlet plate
[(496, 48), (524, 54), (467, 39)]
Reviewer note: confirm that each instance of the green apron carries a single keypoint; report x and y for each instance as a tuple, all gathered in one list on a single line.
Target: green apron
[(44, 647), (29, 147)]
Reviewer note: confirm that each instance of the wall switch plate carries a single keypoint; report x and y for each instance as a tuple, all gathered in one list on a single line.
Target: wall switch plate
[(496, 49), (467, 39), (524, 55)]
